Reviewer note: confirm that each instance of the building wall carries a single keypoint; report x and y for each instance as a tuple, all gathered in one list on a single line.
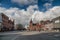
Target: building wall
[(45, 25), (34, 26), (56, 23), (0, 17), (0, 21), (48, 26), (6, 24)]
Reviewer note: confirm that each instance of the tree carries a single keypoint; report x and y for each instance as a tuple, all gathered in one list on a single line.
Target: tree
[(41, 21), (20, 26)]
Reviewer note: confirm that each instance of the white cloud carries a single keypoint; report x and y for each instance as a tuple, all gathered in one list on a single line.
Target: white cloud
[(23, 17), (48, 15), (25, 2), (55, 11), (47, 5)]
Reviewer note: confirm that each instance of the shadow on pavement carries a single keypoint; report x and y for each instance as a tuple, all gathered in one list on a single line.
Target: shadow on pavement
[(42, 36)]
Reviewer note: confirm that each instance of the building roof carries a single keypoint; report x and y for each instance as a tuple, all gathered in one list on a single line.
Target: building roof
[(56, 18)]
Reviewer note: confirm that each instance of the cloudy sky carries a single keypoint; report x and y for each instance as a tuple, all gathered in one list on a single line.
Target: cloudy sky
[(25, 10)]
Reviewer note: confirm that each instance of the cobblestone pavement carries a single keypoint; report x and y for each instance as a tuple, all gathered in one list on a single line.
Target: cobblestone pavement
[(34, 35)]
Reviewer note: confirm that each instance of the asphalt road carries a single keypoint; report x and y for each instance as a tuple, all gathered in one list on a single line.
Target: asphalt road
[(30, 36)]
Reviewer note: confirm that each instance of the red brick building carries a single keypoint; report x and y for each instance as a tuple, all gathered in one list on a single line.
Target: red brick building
[(6, 23), (38, 26), (34, 26)]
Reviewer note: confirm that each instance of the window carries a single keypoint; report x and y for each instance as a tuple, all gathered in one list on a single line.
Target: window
[(57, 21)]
